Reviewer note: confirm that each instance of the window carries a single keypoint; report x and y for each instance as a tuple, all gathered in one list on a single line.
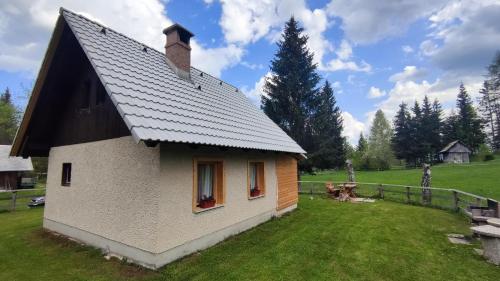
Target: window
[(256, 182), (66, 174), (208, 186)]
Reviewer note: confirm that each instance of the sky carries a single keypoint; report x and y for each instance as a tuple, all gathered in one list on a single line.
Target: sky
[(376, 54)]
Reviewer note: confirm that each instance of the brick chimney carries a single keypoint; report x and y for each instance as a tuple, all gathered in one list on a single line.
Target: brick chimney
[(178, 50)]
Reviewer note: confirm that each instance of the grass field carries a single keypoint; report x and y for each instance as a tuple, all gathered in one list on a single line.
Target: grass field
[(322, 240), (480, 178)]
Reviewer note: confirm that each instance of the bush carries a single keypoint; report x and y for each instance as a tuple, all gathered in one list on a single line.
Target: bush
[(488, 157)]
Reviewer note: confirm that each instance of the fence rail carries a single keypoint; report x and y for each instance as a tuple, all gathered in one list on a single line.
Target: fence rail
[(443, 198), (11, 200)]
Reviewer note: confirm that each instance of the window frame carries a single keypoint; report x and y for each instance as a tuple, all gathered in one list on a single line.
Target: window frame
[(65, 172), (219, 185), (261, 167)]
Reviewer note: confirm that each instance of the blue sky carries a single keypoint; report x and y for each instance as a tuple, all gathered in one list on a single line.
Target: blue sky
[(375, 53)]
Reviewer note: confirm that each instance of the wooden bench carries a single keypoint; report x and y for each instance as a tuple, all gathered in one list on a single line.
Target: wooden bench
[(490, 238)]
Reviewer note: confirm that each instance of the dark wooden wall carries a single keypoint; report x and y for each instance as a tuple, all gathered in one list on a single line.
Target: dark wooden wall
[(61, 115), (9, 180)]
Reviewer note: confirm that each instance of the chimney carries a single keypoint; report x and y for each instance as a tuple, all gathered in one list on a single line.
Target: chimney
[(177, 49)]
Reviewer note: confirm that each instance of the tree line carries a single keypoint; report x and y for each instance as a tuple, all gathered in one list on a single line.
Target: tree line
[(310, 115)]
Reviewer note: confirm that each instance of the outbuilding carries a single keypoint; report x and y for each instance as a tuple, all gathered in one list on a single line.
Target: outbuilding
[(150, 158), (12, 169), (455, 152)]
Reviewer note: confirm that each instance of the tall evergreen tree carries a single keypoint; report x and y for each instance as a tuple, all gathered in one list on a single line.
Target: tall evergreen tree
[(435, 128), (469, 125), (9, 118), (426, 131), (327, 131), (487, 108), (362, 146), (380, 153), (292, 87), (450, 128), (402, 133), (416, 144)]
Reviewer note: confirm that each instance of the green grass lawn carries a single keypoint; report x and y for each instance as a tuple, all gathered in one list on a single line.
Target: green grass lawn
[(480, 178), (321, 240)]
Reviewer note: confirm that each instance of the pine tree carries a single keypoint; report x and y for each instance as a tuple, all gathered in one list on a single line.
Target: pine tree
[(402, 133), (487, 110), (9, 118), (292, 87), (435, 128), (416, 144), (450, 128), (380, 153), (426, 131), (469, 125), (327, 131), (362, 144)]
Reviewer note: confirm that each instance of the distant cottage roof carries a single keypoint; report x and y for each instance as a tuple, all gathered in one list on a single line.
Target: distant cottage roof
[(13, 164), (452, 144), (158, 105)]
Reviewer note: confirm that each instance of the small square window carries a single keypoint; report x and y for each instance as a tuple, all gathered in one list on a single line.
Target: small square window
[(66, 174), (256, 180)]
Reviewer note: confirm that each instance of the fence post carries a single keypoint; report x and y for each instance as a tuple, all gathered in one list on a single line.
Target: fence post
[(14, 198), (408, 194), (381, 191), (478, 202), (455, 200)]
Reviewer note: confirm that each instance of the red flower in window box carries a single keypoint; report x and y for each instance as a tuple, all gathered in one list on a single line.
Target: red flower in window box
[(255, 192), (207, 202)]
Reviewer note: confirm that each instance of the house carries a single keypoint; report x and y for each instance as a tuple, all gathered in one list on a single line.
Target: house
[(12, 169), (150, 158), (455, 152)]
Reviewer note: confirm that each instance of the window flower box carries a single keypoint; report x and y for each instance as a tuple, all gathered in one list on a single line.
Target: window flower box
[(254, 192), (207, 203)]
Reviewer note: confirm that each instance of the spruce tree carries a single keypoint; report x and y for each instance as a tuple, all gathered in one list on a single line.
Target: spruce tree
[(327, 131), (487, 110), (402, 133), (469, 125), (9, 118), (416, 144), (450, 128), (362, 144), (436, 127), (292, 87), (426, 131), (380, 152)]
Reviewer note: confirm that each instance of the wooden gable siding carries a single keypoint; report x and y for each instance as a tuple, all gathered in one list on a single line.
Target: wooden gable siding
[(286, 171), (57, 118)]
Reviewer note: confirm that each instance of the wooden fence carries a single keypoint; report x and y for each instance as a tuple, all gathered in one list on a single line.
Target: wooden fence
[(443, 198), (10, 200)]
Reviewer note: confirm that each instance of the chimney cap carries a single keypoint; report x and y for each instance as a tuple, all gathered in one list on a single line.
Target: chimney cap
[(178, 27)]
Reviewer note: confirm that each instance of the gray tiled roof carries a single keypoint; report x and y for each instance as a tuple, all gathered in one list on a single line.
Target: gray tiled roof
[(12, 164), (158, 105)]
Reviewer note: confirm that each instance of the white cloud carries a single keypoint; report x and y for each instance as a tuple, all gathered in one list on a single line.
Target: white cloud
[(464, 35), (410, 72), (370, 21), (257, 91), (244, 22), (352, 127), (407, 49), (25, 29), (375, 92)]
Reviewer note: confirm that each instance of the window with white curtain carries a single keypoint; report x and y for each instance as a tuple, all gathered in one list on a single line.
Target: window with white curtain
[(256, 182), (205, 181), (208, 185)]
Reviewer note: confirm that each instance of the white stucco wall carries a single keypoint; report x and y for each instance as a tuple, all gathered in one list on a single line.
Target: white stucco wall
[(137, 201), (113, 193), (177, 222)]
